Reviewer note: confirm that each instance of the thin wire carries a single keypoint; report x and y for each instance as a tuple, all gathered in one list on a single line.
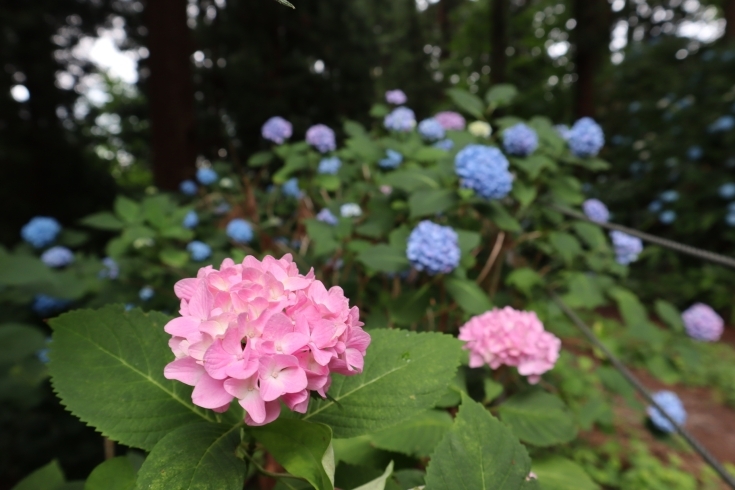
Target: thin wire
[(630, 377), (679, 247)]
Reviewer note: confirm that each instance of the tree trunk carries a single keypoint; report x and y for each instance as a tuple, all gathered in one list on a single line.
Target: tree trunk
[(170, 92), (592, 38), (730, 19), (498, 40)]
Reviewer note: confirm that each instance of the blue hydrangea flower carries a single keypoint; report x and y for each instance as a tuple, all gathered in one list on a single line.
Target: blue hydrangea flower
[(222, 208), (57, 257), (655, 206), (722, 124), (321, 137), (392, 159), (671, 404), (563, 130), (188, 187), (484, 169), (40, 231), (42, 354), (433, 248), (727, 191), (730, 218), (206, 176), (191, 220), (520, 140), (402, 120), (396, 97), (586, 138), (667, 217), (326, 216), (596, 210), (445, 144), (199, 250), (146, 293), (350, 210), (277, 130), (669, 196), (627, 247), (731, 207), (111, 270), (129, 306), (290, 188), (240, 231), (329, 165), (44, 305), (695, 152), (634, 106), (431, 130)]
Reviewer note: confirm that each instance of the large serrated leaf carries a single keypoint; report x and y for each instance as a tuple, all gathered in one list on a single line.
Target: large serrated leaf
[(114, 474), (468, 295), (102, 221), (405, 373), (384, 258), (478, 453), (431, 202), (417, 436), (557, 473), (538, 418), (48, 477), (195, 457), (468, 102), (107, 365)]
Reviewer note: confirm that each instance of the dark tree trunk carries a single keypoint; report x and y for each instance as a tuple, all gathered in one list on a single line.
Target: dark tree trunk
[(498, 40), (170, 92), (730, 19), (592, 38)]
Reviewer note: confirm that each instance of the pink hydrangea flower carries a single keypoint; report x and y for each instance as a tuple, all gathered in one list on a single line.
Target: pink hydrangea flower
[(262, 333), (703, 323), (512, 338), (451, 120)]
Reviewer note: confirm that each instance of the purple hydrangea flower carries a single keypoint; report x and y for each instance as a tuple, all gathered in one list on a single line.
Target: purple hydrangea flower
[(206, 176), (596, 210), (402, 120), (199, 250), (392, 159), (431, 130), (396, 97), (321, 137), (57, 257), (191, 220), (451, 121), (627, 247), (188, 187), (703, 323), (240, 231), (484, 169), (111, 270), (40, 231), (326, 216), (671, 404), (433, 248), (586, 138), (277, 130), (329, 166), (520, 140)]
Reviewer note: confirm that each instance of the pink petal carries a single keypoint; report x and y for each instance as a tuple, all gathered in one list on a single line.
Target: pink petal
[(322, 356), (293, 379), (185, 370), (183, 326), (354, 359), (185, 288), (217, 360), (291, 342), (210, 393), (298, 402), (272, 411), (201, 303), (277, 326)]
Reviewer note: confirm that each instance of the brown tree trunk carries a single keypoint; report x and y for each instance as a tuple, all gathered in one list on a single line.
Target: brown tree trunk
[(730, 19), (498, 40), (170, 92), (592, 38)]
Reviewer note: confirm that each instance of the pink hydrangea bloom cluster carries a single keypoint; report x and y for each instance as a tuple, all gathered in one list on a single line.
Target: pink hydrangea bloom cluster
[(262, 333), (451, 120), (512, 338), (703, 323)]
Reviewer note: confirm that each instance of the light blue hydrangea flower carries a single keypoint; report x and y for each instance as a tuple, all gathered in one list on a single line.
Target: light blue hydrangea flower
[(326, 216), (586, 138), (350, 210), (596, 210), (722, 124), (146, 293), (627, 247), (57, 257), (240, 231), (111, 270), (634, 107), (290, 188), (667, 217), (222, 208), (191, 220), (277, 130), (431, 130), (188, 187), (433, 248), (484, 169), (42, 354), (655, 206), (445, 144), (695, 152), (669, 196), (401, 119), (206, 176), (727, 191), (40, 231), (329, 165), (563, 130), (671, 404), (392, 159), (44, 305), (520, 140), (730, 218), (199, 250)]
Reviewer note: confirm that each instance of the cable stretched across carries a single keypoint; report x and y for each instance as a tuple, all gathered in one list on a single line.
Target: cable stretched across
[(630, 377), (679, 247)]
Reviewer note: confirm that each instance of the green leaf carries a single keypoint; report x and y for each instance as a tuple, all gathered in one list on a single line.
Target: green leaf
[(567, 189), (48, 477), (557, 473), (259, 159), (417, 436), (666, 312), (197, 456), (524, 280), (301, 447), (468, 295), (158, 210), (327, 181), (431, 202), (468, 102), (322, 235), (493, 389), (107, 365), (502, 219), (413, 179), (584, 292), (384, 258), (294, 162), (538, 418), (591, 235), (365, 149), (127, 209), (524, 194), (24, 270), (410, 305), (405, 373), (378, 483), (379, 110), (427, 154), (633, 311), (566, 245), (174, 257), (478, 453), (102, 221), (468, 241), (114, 474), (355, 129), (18, 341), (533, 165), (501, 95)]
